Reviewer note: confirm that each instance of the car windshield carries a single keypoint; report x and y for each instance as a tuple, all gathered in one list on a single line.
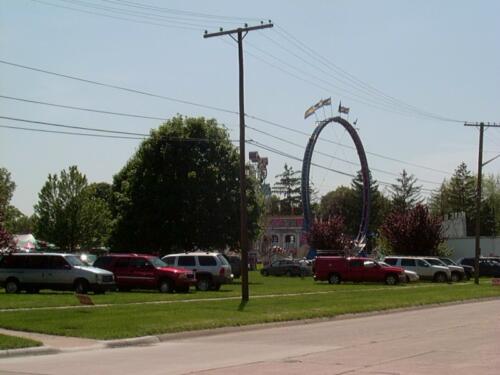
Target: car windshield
[(222, 259), (448, 262), (435, 262), (157, 262), (384, 264), (74, 260)]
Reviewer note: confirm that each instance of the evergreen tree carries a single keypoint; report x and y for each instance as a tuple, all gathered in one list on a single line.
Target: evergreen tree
[(461, 195), (405, 194), (288, 187)]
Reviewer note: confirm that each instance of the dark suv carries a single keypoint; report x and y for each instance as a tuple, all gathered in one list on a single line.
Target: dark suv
[(139, 271), (488, 266)]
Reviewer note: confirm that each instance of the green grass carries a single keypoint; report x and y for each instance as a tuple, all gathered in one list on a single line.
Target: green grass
[(123, 321), (13, 342)]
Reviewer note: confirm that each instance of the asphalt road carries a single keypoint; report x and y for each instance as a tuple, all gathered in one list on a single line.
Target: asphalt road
[(457, 339)]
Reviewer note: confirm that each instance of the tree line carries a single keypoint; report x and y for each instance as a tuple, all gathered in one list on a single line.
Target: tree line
[(180, 191)]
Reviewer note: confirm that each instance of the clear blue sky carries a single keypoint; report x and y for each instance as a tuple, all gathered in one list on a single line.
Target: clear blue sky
[(441, 57)]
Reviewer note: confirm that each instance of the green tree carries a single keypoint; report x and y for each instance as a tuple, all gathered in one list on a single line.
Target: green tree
[(340, 202), (68, 215), (181, 190), (18, 223), (288, 187), (405, 194), (379, 204), (7, 187), (439, 202)]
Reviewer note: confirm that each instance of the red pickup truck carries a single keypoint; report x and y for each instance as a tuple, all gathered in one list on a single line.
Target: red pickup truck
[(337, 269)]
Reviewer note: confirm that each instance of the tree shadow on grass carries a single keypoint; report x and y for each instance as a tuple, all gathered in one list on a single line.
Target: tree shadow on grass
[(242, 305)]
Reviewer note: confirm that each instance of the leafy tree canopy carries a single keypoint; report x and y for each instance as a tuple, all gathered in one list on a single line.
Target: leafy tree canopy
[(181, 190), (7, 187), (413, 232), (69, 215)]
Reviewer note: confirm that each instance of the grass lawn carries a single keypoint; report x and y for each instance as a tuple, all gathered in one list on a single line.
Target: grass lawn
[(12, 342), (259, 285), (121, 321)]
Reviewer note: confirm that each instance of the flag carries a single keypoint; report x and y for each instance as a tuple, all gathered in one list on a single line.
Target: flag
[(317, 106), (343, 109)]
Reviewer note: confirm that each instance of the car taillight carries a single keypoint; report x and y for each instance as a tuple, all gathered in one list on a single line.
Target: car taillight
[(222, 271)]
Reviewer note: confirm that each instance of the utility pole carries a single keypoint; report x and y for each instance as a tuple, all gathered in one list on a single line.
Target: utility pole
[(480, 165), (241, 32)]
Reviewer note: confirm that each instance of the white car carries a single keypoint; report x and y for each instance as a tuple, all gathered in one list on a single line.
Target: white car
[(411, 276), (424, 269)]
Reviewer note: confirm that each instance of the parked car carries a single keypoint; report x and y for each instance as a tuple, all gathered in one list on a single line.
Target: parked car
[(35, 271), (457, 272), (410, 276), (139, 271), (211, 269), (283, 267), (488, 266), (424, 269), (336, 269), (469, 270), (235, 263)]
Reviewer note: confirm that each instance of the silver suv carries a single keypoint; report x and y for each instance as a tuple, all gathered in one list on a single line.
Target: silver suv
[(457, 272), (32, 272), (424, 269), (212, 269)]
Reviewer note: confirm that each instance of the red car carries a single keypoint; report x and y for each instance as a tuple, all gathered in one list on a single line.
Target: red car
[(337, 269), (139, 271)]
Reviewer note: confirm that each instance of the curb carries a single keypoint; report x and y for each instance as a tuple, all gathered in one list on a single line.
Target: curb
[(136, 341), (41, 350), (156, 339)]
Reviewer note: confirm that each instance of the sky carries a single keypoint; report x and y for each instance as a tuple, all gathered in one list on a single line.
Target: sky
[(411, 73)]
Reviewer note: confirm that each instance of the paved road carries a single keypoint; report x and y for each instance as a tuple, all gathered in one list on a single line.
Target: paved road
[(458, 339)]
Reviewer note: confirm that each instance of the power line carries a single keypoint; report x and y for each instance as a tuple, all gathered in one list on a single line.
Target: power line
[(84, 109), (206, 107), (120, 88), (68, 133), (333, 157), (351, 78)]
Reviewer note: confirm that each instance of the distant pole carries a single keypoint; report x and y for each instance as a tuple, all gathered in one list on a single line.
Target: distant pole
[(480, 165), (241, 33)]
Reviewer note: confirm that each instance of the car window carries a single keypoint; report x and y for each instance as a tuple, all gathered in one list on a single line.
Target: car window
[(369, 263), (122, 263), (391, 261), (170, 261), (74, 260), (38, 262), (435, 262), (207, 260), (57, 262), (138, 262), (408, 262), (275, 264), (187, 261), (356, 263), (14, 262), (157, 262), (103, 262), (423, 263), (224, 260)]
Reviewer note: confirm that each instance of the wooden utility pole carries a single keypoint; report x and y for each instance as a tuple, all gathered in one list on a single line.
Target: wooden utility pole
[(480, 165), (241, 32)]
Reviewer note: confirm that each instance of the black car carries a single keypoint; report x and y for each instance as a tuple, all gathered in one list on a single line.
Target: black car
[(283, 268), (469, 270), (235, 263), (487, 266)]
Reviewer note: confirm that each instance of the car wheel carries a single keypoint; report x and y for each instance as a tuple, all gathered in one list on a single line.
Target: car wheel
[(12, 286), (203, 284), (391, 280), (264, 273), (81, 286), (440, 277), (166, 286), (334, 279), (216, 286), (455, 277)]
